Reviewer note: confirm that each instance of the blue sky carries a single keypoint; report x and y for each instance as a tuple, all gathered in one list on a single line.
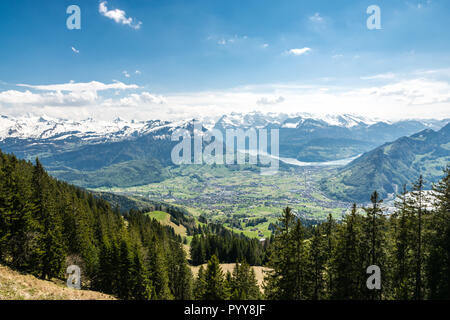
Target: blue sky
[(187, 58)]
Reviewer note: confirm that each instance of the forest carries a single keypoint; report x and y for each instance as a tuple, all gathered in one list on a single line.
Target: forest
[(47, 224)]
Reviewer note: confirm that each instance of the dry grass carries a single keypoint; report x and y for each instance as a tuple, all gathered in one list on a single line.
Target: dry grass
[(259, 271), (17, 286)]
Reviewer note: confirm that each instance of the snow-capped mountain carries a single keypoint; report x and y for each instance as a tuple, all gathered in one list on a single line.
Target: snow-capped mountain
[(91, 130), (59, 129), (127, 152)]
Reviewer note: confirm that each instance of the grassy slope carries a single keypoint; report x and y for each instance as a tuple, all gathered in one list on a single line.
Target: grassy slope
[(164, 219), (17, 286)]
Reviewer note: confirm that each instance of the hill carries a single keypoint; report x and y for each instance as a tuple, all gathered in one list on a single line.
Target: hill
[(17, 286), (390, 166)]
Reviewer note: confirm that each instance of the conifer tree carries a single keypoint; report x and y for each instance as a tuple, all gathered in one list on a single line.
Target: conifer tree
[(215, 286), (278, 281), (200, 284), (317, 264), (141, 288), (403, 272), (243, 284), (417, 201), (438, 261), (350, 258), (49, 253), (374, 226)]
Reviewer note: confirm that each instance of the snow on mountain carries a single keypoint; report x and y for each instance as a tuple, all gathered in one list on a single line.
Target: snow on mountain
[(260, 120), (44, 127), (91, 130), (255, 120)]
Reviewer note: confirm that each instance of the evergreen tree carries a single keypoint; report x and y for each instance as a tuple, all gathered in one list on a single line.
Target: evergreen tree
[(349, 261), (215, 286), (243, 284), (330, 231), (278, 285), (124, 271), (438, 261), (200, 284), (375, 242), (403, 272), (317, 264), (288, 260), (140, 283), (49, 253), (417, 201)]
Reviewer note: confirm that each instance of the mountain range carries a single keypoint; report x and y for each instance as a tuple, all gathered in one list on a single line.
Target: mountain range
[(93, 153), (390, 166)]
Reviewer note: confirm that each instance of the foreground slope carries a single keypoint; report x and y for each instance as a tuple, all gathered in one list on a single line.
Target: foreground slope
[(17, 286), (390, 166)]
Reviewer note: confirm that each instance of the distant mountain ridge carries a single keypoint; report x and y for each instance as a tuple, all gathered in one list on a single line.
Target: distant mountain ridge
[(94, 153), (390, 166)]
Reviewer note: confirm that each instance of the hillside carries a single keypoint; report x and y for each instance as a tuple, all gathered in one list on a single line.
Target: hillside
[(390, 166), (17, 286), (46, 225)]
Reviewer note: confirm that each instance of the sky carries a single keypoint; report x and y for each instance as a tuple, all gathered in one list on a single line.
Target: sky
[(155, 59)]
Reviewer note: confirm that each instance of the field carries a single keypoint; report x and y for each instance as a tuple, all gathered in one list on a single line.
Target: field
[(241, 198)]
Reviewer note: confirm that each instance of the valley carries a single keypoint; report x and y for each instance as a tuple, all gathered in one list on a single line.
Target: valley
[(240, 198), (326, 163)]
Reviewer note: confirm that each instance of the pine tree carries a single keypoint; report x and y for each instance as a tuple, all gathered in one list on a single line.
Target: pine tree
[(417, 202), (157, 267), (49, 253), (438, 261), (124, 270), (200, 284), (299, 254), (180, 275), (317, 264), (278, 282), (330, 235), (403, 273), (141, 288), (375, 239), (215, 288), (288, 261), (243, 284), (349, 261)]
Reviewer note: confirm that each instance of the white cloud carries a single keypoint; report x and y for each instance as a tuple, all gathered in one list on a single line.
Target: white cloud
[(298, 52), (414, 92), (138, 72), (268, 101), (61, 95), (75, 50), (234, 39), (137, 100), (126, 74), (316, 18), (92, 86), (119, 16), (413, 98), (382, 76)]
